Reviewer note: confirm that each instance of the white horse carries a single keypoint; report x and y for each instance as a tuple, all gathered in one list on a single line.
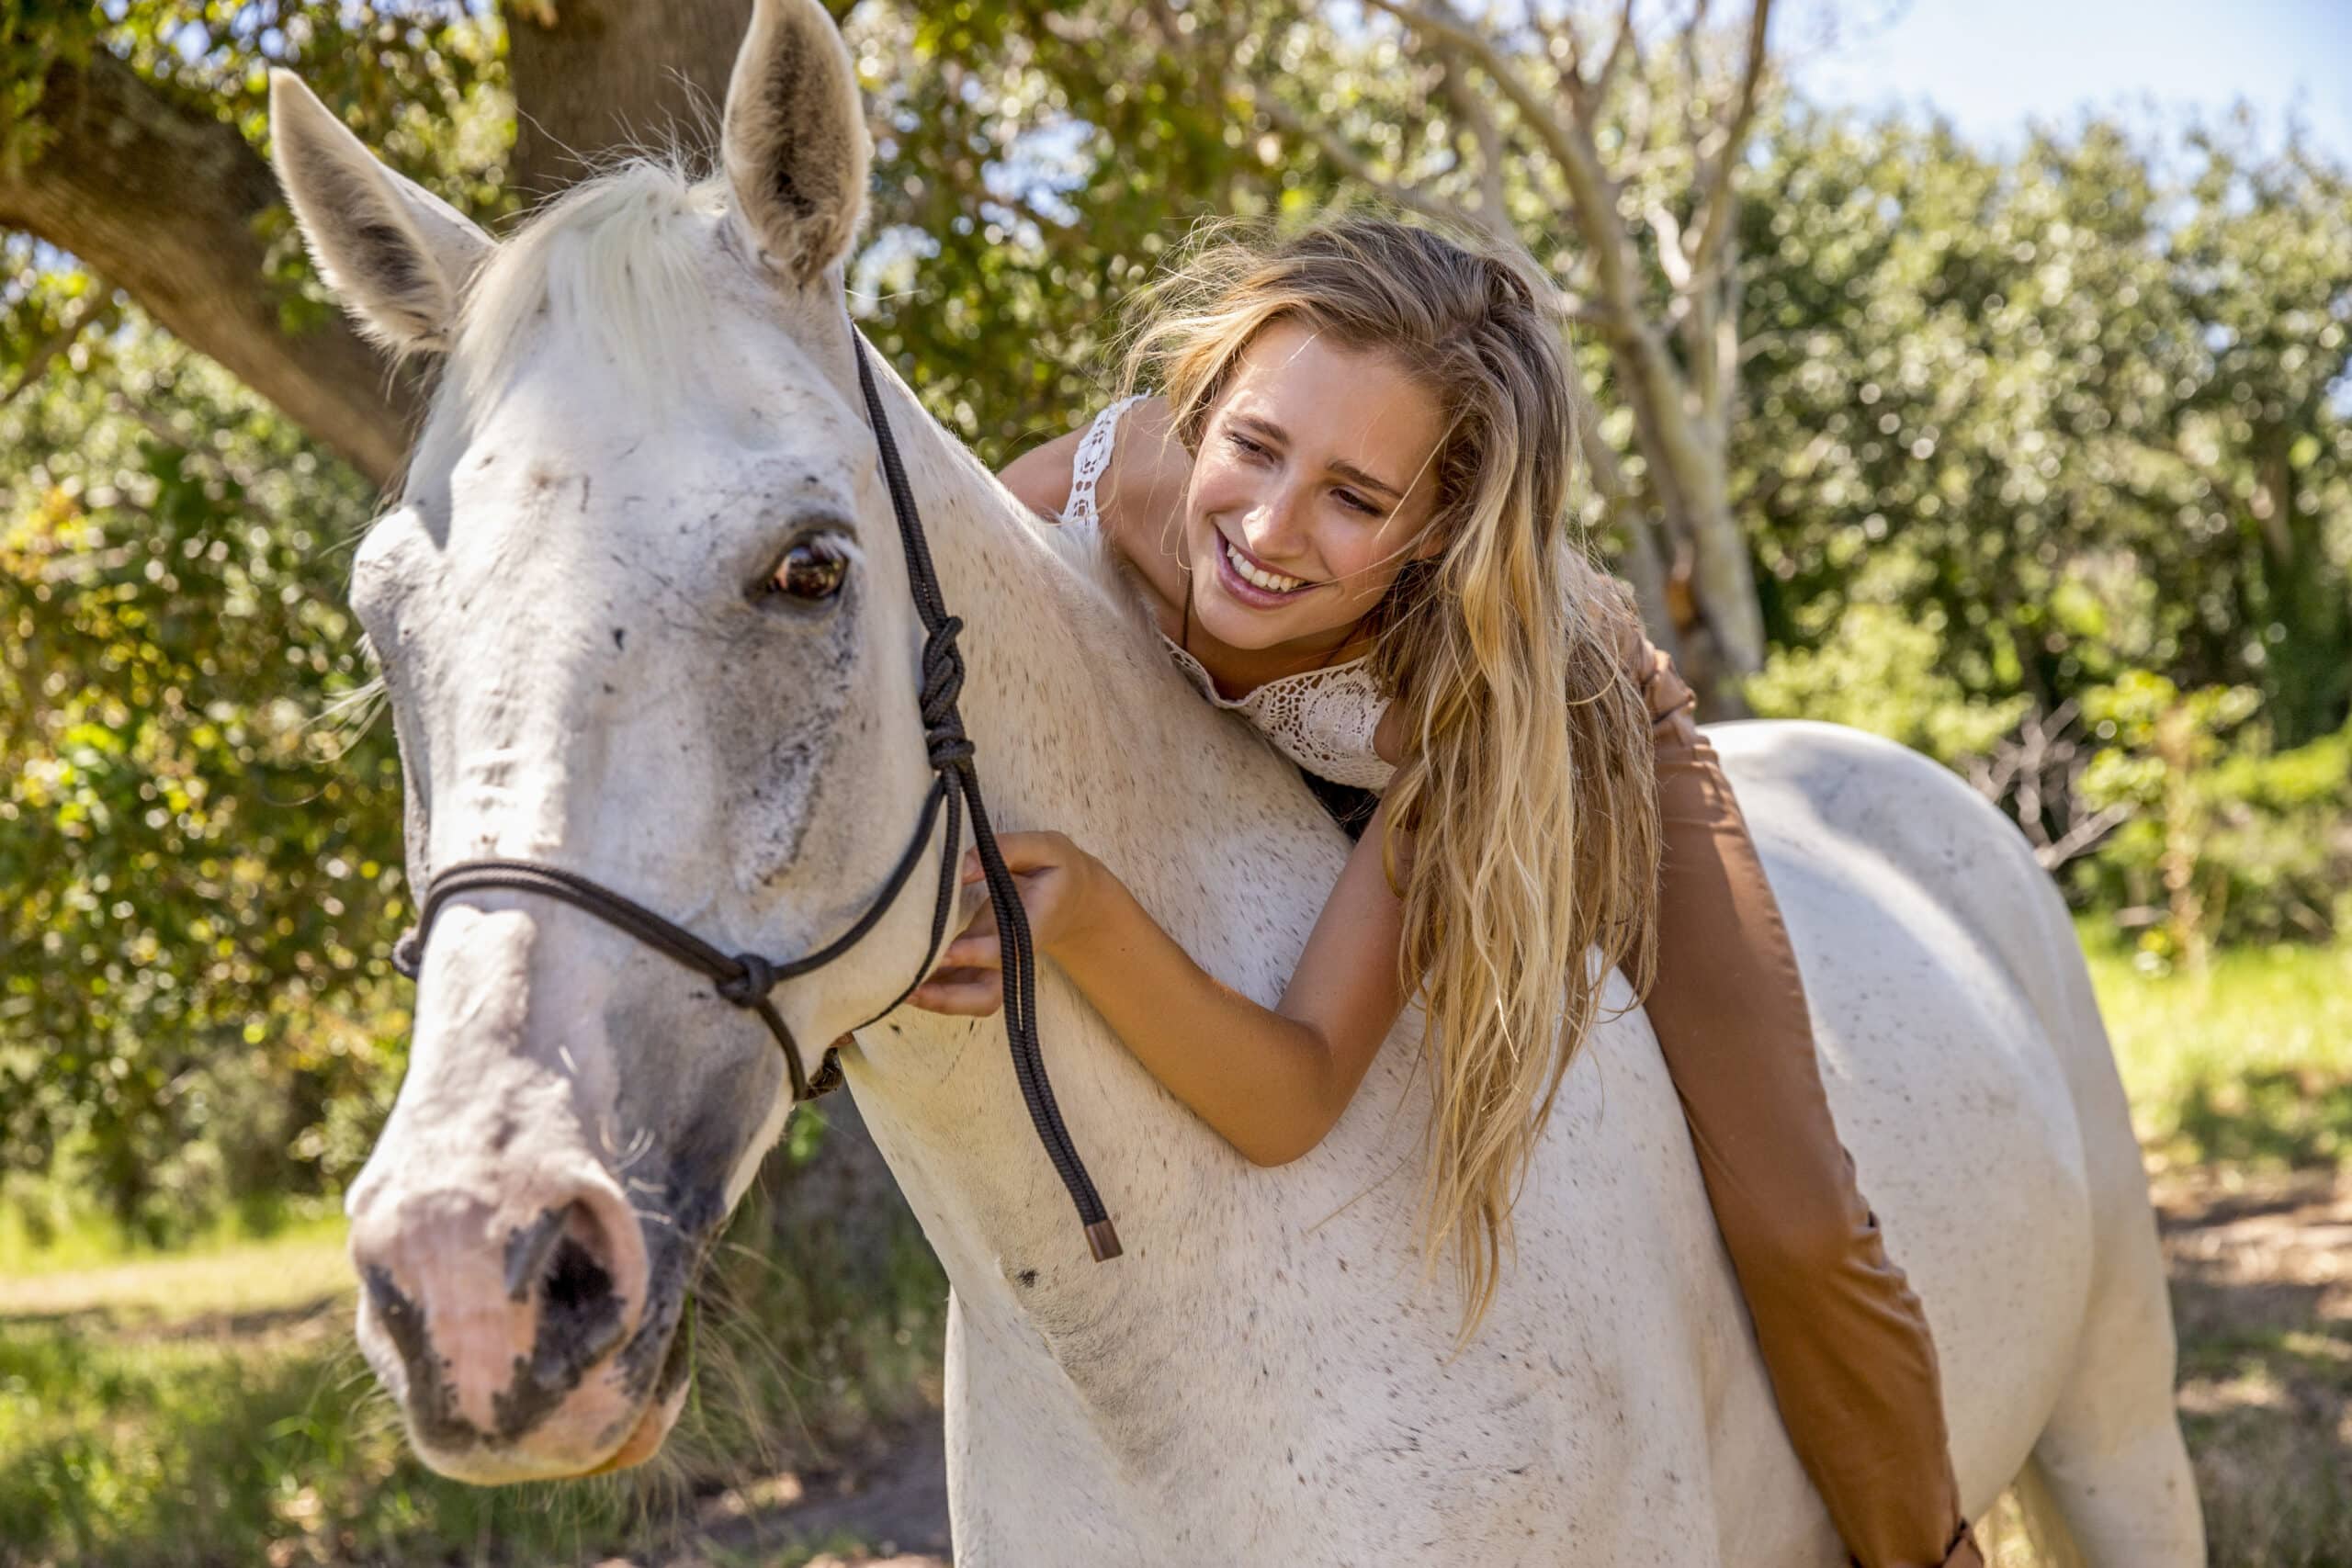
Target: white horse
[(650, 401)]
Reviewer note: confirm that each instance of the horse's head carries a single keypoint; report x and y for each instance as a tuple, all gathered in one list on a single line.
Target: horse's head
[(642, 616)]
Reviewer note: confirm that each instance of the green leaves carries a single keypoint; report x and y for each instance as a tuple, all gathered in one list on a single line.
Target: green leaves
[(2083, 390), (197, 870)]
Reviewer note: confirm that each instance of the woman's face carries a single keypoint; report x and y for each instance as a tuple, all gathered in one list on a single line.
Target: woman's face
[(1314, 475)]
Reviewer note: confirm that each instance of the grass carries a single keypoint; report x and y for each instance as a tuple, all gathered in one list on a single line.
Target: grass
[(207, 1406), (225, 1276), (2247, 1064)]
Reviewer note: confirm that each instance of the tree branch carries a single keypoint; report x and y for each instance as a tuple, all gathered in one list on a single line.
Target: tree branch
[(1717, 199), (1622, 48), (595, 76), (1471, 111), (1352, 163), (163, 201), (1592, 193)]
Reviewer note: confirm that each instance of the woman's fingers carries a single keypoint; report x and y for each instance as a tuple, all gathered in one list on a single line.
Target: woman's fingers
[(1023, 851), (969, 992), (977, 949)]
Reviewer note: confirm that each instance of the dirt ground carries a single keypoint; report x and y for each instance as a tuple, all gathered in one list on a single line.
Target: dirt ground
[(2262, 1296), (2262, 1299)]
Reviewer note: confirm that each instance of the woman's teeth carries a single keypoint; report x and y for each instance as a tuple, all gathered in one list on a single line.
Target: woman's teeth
[(1273, 582)]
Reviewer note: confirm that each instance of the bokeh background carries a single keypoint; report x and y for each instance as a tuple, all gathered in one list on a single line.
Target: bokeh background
[(1974, 373)]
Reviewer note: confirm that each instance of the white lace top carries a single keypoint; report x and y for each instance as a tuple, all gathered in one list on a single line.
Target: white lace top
[(1321, 719)]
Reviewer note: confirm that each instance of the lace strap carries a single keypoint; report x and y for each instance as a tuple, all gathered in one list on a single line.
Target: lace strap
[(1092, 457)]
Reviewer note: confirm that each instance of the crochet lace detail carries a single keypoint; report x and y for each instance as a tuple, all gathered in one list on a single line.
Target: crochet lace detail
[(1321, 719)]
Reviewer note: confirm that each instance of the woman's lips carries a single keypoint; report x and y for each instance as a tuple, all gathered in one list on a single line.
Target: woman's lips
[(1246, 591)]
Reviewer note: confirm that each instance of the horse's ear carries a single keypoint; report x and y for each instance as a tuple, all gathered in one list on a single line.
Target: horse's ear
[(396, 255), (796, 145)]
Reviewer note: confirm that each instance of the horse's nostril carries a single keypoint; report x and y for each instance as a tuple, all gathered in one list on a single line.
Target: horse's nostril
[(575, 1281), (528, 1250), (581, 1313)]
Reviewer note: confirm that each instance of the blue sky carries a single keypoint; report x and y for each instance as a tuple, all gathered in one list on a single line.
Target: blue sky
[(1991, 65)]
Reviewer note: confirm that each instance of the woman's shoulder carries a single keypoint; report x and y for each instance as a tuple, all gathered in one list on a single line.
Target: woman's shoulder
[(1145, 470), (1117, 456), (1041, 477)]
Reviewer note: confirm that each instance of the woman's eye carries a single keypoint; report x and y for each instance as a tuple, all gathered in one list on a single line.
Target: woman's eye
[(1352, 499), (1245, 444), (812, 571)]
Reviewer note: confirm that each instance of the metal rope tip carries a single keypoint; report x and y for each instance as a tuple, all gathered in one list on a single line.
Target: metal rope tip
[(1103, 1241)]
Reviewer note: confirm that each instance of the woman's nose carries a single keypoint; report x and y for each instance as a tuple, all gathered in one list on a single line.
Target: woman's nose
[(1272, 529)]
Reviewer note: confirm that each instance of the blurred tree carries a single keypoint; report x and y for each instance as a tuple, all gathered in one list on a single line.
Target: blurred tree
[(195, 867), (2073, 414)]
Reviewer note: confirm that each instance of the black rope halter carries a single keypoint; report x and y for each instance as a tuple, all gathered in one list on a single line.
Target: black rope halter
[(746, 978)]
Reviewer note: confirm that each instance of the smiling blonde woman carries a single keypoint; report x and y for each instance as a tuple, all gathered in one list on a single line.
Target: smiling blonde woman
[(1346, 497)]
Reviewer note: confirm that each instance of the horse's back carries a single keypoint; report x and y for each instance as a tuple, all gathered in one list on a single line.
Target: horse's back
[(1945, 985)]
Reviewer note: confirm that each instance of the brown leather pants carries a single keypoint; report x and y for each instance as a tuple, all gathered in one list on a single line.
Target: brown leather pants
[(1844, 1342)]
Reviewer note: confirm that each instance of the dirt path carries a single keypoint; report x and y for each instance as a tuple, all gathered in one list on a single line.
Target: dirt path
[(896, 1505), (2262, 1299)]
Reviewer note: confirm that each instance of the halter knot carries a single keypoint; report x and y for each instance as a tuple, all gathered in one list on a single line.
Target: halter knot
[(408, 951), (943, 672), (948, 746), (751, 986), (944, 740)]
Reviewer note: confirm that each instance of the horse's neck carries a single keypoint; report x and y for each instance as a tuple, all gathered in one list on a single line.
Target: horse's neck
[(1083, 727)]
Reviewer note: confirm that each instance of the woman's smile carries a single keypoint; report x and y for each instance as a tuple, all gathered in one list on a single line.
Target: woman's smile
[(1249, 582)]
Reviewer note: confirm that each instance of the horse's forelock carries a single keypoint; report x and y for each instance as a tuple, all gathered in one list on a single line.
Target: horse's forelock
[(614, 257)]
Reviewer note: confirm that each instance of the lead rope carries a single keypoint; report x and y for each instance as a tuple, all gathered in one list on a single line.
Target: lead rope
[(952, 751)]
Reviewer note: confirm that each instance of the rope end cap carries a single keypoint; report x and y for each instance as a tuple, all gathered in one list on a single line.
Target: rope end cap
[(1103, 1241)]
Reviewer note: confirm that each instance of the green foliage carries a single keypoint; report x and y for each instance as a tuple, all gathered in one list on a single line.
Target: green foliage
[(196, 872), (2086, 399), (34, 36), (1885, 674), (2156, 731), (2244, 844)]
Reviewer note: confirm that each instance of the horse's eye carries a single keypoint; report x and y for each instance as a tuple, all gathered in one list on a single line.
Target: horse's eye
[(811, 571)]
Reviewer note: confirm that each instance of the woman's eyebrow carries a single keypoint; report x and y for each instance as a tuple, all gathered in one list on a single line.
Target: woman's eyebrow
[(1341, 467)]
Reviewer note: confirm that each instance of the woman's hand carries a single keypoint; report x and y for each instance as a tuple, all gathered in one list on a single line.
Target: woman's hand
[(1058, 882)]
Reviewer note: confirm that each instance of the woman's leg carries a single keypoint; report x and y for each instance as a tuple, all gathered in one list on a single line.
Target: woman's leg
[(1844, 1339)]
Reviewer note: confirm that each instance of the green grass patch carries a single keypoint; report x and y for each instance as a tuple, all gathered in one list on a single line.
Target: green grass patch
[(44, 1231), (2247, 1062), (224, 1280)]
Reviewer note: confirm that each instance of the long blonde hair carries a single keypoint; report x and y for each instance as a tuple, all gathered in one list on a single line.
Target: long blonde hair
[(1529, 787)]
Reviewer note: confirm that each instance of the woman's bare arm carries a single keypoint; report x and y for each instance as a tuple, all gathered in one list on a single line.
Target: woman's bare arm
[(1272, 1082)]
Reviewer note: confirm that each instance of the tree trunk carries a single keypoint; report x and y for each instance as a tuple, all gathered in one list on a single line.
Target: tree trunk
[(592, 77)]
